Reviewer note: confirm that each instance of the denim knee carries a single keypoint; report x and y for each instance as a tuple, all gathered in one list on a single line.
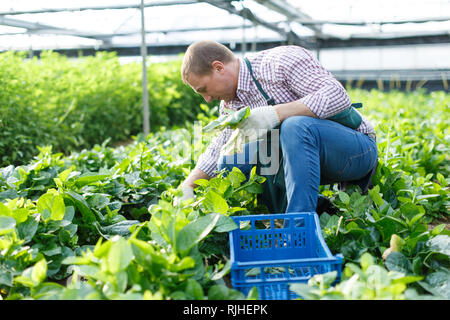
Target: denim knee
[(294, 127)]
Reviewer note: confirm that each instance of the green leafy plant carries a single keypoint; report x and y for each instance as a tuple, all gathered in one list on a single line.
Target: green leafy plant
[(230, 119), (73, 105), (368, 281)]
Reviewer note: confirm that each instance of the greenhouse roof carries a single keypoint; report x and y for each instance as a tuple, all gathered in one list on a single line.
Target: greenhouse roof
[(116, 24)]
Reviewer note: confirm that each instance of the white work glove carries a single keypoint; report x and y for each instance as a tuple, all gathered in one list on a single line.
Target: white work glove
[(188, 193), (257, 124), (260, 120)]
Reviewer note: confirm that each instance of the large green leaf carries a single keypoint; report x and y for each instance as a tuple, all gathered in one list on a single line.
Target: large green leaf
[(120, 255), (398, 262), (20, 214), (254, 188), (53, 203), (376, 196), (88, 178), (6, 277), (236, 177), (195, 231), (82, 205), (33, 276), (7, 225), (194, 290), (39, 272), (28, 229), (225, 224), (213, 202), (438, 283), (441, 244), (344, 197), (4, 210), (412, 212), (121, 228), (388, 226), (221, 292)]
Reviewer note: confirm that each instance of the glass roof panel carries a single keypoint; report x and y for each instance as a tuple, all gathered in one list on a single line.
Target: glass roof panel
[(185, 21)]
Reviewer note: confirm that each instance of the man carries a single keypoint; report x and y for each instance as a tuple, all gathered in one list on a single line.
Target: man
[(284, 87)]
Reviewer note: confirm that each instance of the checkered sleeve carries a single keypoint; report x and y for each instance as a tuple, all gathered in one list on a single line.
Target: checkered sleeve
[(319, 90), (207, 161)]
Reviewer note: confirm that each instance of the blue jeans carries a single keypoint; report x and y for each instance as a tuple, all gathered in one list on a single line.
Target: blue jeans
[(315, 152)]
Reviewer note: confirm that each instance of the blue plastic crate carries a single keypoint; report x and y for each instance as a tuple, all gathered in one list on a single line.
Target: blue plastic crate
[(274, 250)]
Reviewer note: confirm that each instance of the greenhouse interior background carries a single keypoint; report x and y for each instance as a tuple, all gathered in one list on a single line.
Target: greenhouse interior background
[(99, 134)]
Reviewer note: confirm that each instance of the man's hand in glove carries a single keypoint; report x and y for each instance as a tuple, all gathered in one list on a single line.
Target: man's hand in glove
[(188, 193), (260, 121)]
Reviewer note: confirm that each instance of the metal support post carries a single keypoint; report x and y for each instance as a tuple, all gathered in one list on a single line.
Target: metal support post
[(145, 108)]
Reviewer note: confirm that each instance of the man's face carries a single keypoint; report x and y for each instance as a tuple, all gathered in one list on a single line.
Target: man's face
[(216, 85)]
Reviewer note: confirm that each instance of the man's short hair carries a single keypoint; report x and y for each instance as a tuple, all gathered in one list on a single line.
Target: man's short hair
[(200, 55)]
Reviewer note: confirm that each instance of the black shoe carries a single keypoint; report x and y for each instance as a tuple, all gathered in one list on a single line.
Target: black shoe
[(324, 205), (364, 183)]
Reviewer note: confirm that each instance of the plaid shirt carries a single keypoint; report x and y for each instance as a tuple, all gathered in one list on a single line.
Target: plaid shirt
[(286, 73)]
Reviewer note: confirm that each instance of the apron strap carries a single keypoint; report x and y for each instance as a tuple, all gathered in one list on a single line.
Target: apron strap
[(269, 100)]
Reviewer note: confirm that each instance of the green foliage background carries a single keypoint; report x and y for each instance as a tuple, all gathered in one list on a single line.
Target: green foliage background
[(74, 104)]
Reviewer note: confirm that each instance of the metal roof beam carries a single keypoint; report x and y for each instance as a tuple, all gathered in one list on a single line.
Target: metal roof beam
[(36, 28), (249, 15), (117, 7), (293, 14), (365, 23), (20, 23), (244, 13), (164, 31)]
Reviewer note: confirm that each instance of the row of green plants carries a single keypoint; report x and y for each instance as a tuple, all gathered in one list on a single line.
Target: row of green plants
[(106, 223), (75, 104), (395, 240)]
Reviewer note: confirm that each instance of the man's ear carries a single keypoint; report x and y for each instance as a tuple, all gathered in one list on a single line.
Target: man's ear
[(217, 66)]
